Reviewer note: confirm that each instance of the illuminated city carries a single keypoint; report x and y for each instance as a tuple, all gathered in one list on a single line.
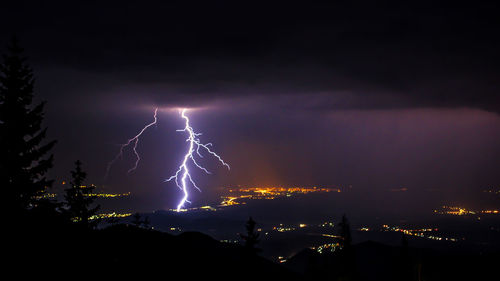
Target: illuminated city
[(332, 247), (241, 195), (422, 232), (110, 215), (460, 211)]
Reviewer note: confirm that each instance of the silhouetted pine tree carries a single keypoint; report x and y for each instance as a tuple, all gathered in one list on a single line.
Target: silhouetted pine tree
[(146, 223), (136, 220), (23, 156), (404, 262), (347, 269), (78, 199), (345, 233), (139, 222), (252, 237)]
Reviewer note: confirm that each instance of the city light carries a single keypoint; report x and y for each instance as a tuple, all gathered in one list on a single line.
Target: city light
[(110, 215), (419, 232), (461, 211), (239, 195)]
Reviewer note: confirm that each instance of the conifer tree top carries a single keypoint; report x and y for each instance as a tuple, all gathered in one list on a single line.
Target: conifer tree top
[(24, 157)]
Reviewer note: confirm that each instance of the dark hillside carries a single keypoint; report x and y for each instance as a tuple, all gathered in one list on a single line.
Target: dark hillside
[(124, 251), (376, 261)]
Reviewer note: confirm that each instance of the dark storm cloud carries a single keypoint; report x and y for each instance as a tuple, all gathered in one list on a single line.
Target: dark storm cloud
[(376, 94), (360, 54)]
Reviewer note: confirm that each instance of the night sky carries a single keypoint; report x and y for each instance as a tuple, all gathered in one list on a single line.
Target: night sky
[(374, 94)]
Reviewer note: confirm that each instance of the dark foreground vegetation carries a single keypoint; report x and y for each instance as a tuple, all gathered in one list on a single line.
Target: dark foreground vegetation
[(376, 261), (47, 245), (51, 247)]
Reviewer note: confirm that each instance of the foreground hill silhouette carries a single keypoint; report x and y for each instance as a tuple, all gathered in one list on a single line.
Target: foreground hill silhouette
[(376, 261), (49, 248), (41, 245)]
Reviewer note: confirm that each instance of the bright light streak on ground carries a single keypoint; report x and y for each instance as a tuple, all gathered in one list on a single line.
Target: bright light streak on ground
[(183, 175), (134, 141)]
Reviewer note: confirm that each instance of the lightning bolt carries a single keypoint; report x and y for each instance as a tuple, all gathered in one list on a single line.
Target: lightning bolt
[(183, 175), (134, 141)]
